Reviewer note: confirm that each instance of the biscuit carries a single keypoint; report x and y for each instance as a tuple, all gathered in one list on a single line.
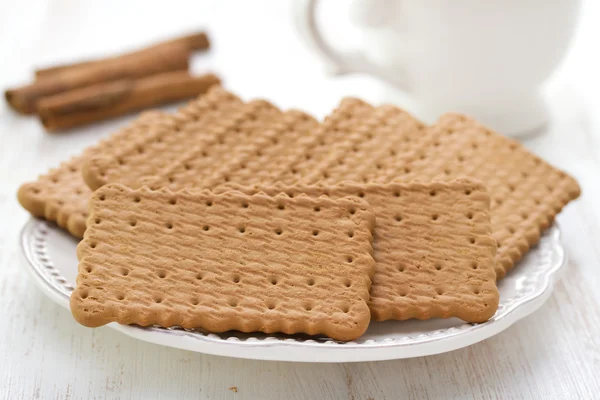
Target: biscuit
[(433, 247), (527, 192), (225, 133), (201, 122), (226, 262)]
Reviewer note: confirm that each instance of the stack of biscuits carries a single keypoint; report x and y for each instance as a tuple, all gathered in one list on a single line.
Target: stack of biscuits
[(234, 215)]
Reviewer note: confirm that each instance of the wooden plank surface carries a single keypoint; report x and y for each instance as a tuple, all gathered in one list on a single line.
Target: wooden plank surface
[(44, 354)]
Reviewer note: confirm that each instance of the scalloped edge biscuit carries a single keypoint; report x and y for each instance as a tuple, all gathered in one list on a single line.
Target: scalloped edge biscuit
[(527, 192), (225, 262)]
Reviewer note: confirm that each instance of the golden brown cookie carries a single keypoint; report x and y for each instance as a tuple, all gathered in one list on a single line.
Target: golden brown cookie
[(202, 122), (527, 192), (226, 262)]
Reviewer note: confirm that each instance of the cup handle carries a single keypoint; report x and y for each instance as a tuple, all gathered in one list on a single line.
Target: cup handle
[(339, 63)]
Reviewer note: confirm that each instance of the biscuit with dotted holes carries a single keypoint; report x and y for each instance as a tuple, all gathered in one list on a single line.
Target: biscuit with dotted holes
[(224, 262), (527, 192), (221, 132), (433, 248)]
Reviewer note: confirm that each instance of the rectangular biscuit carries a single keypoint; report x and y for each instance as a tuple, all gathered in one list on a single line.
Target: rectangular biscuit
[(61, 195), (225, 262), (433, 247), (527, 193), (203, 122), (224, 133)]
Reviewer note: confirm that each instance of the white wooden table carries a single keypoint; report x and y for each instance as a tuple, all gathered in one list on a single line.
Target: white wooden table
[(44, 354)]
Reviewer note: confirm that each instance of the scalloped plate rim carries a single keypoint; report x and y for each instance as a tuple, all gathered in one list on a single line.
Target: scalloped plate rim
[(289, 349)]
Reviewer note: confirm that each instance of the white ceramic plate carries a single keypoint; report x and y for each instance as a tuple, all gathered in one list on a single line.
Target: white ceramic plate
[(50, 258)]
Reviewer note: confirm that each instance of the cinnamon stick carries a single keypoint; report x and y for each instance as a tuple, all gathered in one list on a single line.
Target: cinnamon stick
[(112, 99), (194, 41), (166, 58)]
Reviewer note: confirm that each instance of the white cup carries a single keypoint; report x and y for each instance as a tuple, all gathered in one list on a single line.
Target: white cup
[(484, 58)]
